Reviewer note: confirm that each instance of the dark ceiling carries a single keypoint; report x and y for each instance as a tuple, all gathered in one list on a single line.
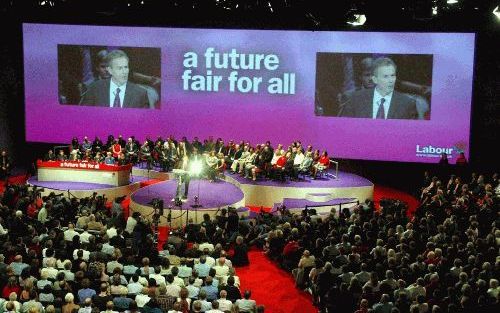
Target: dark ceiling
[(465, 15)]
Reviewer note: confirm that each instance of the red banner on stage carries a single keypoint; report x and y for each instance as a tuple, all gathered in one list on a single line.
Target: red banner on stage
[(83, 165)]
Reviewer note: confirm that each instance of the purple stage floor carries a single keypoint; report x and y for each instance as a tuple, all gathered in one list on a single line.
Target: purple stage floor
[(64, 185), (344, 180), (211, 195)]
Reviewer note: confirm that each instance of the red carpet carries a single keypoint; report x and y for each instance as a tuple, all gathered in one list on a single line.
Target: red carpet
[(272, 287), (150, 182), (14, 180), (381, 192)]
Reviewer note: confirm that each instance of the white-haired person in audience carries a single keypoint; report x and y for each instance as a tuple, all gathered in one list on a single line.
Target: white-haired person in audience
[(69, 305), (12, 299), (224, 303)]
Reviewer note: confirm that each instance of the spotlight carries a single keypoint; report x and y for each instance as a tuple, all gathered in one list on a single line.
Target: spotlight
[(196, 168), (452, 1), (434, 10), (496, 12), (356, 19)]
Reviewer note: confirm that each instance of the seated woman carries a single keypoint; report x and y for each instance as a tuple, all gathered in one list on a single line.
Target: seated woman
[(322, 164), (212, 165), (110, 160), (278, 168), (75, 155), (116, 148)]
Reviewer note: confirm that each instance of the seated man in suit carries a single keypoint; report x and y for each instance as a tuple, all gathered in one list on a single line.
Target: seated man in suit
[(383, 101), (117, 91)]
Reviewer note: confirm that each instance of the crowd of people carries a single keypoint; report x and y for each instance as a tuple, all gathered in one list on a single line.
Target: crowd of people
[(444, 258), (215, 156), (83, 255)]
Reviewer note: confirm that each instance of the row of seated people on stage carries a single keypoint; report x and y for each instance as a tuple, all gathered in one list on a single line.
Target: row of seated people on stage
[(279, 163), (87, 256), (441, 258), (216, 156)]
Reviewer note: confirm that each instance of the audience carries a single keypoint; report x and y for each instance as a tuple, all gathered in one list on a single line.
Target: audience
[(81, 258)]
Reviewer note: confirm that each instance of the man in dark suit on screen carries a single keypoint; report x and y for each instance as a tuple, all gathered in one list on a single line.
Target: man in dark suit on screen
[(117, 91), (381, 102)]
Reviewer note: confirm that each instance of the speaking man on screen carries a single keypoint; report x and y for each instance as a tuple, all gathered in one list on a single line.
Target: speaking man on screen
[(381, 102), (116, 91)]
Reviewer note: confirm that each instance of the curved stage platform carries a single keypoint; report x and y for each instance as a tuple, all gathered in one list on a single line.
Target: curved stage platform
[(267, 192), (212, 197), (237, 191)]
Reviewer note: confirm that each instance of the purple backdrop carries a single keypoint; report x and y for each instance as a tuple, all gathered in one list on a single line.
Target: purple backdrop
[(255, 116)]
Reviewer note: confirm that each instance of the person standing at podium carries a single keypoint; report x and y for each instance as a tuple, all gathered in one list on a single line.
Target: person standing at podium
[(183, 177)]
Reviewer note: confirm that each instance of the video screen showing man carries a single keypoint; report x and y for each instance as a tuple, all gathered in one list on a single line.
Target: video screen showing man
[(116, 91), (369, 86), (107, 77)]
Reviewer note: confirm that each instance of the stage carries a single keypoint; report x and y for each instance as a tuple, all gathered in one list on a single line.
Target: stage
[(232, 191), (212, 197), (236, 191)]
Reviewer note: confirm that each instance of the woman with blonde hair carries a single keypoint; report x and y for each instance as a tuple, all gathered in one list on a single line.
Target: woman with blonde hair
[(70, 305)]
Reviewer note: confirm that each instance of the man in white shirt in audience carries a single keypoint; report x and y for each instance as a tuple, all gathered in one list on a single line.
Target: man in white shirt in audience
[(70, 232), (224, 304), (246, 304)]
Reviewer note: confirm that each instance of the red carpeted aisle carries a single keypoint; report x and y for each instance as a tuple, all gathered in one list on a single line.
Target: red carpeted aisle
[(272, 287)]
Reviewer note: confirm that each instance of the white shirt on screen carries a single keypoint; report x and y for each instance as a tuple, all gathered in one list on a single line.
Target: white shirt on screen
[(112, 93), (376, 103)]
